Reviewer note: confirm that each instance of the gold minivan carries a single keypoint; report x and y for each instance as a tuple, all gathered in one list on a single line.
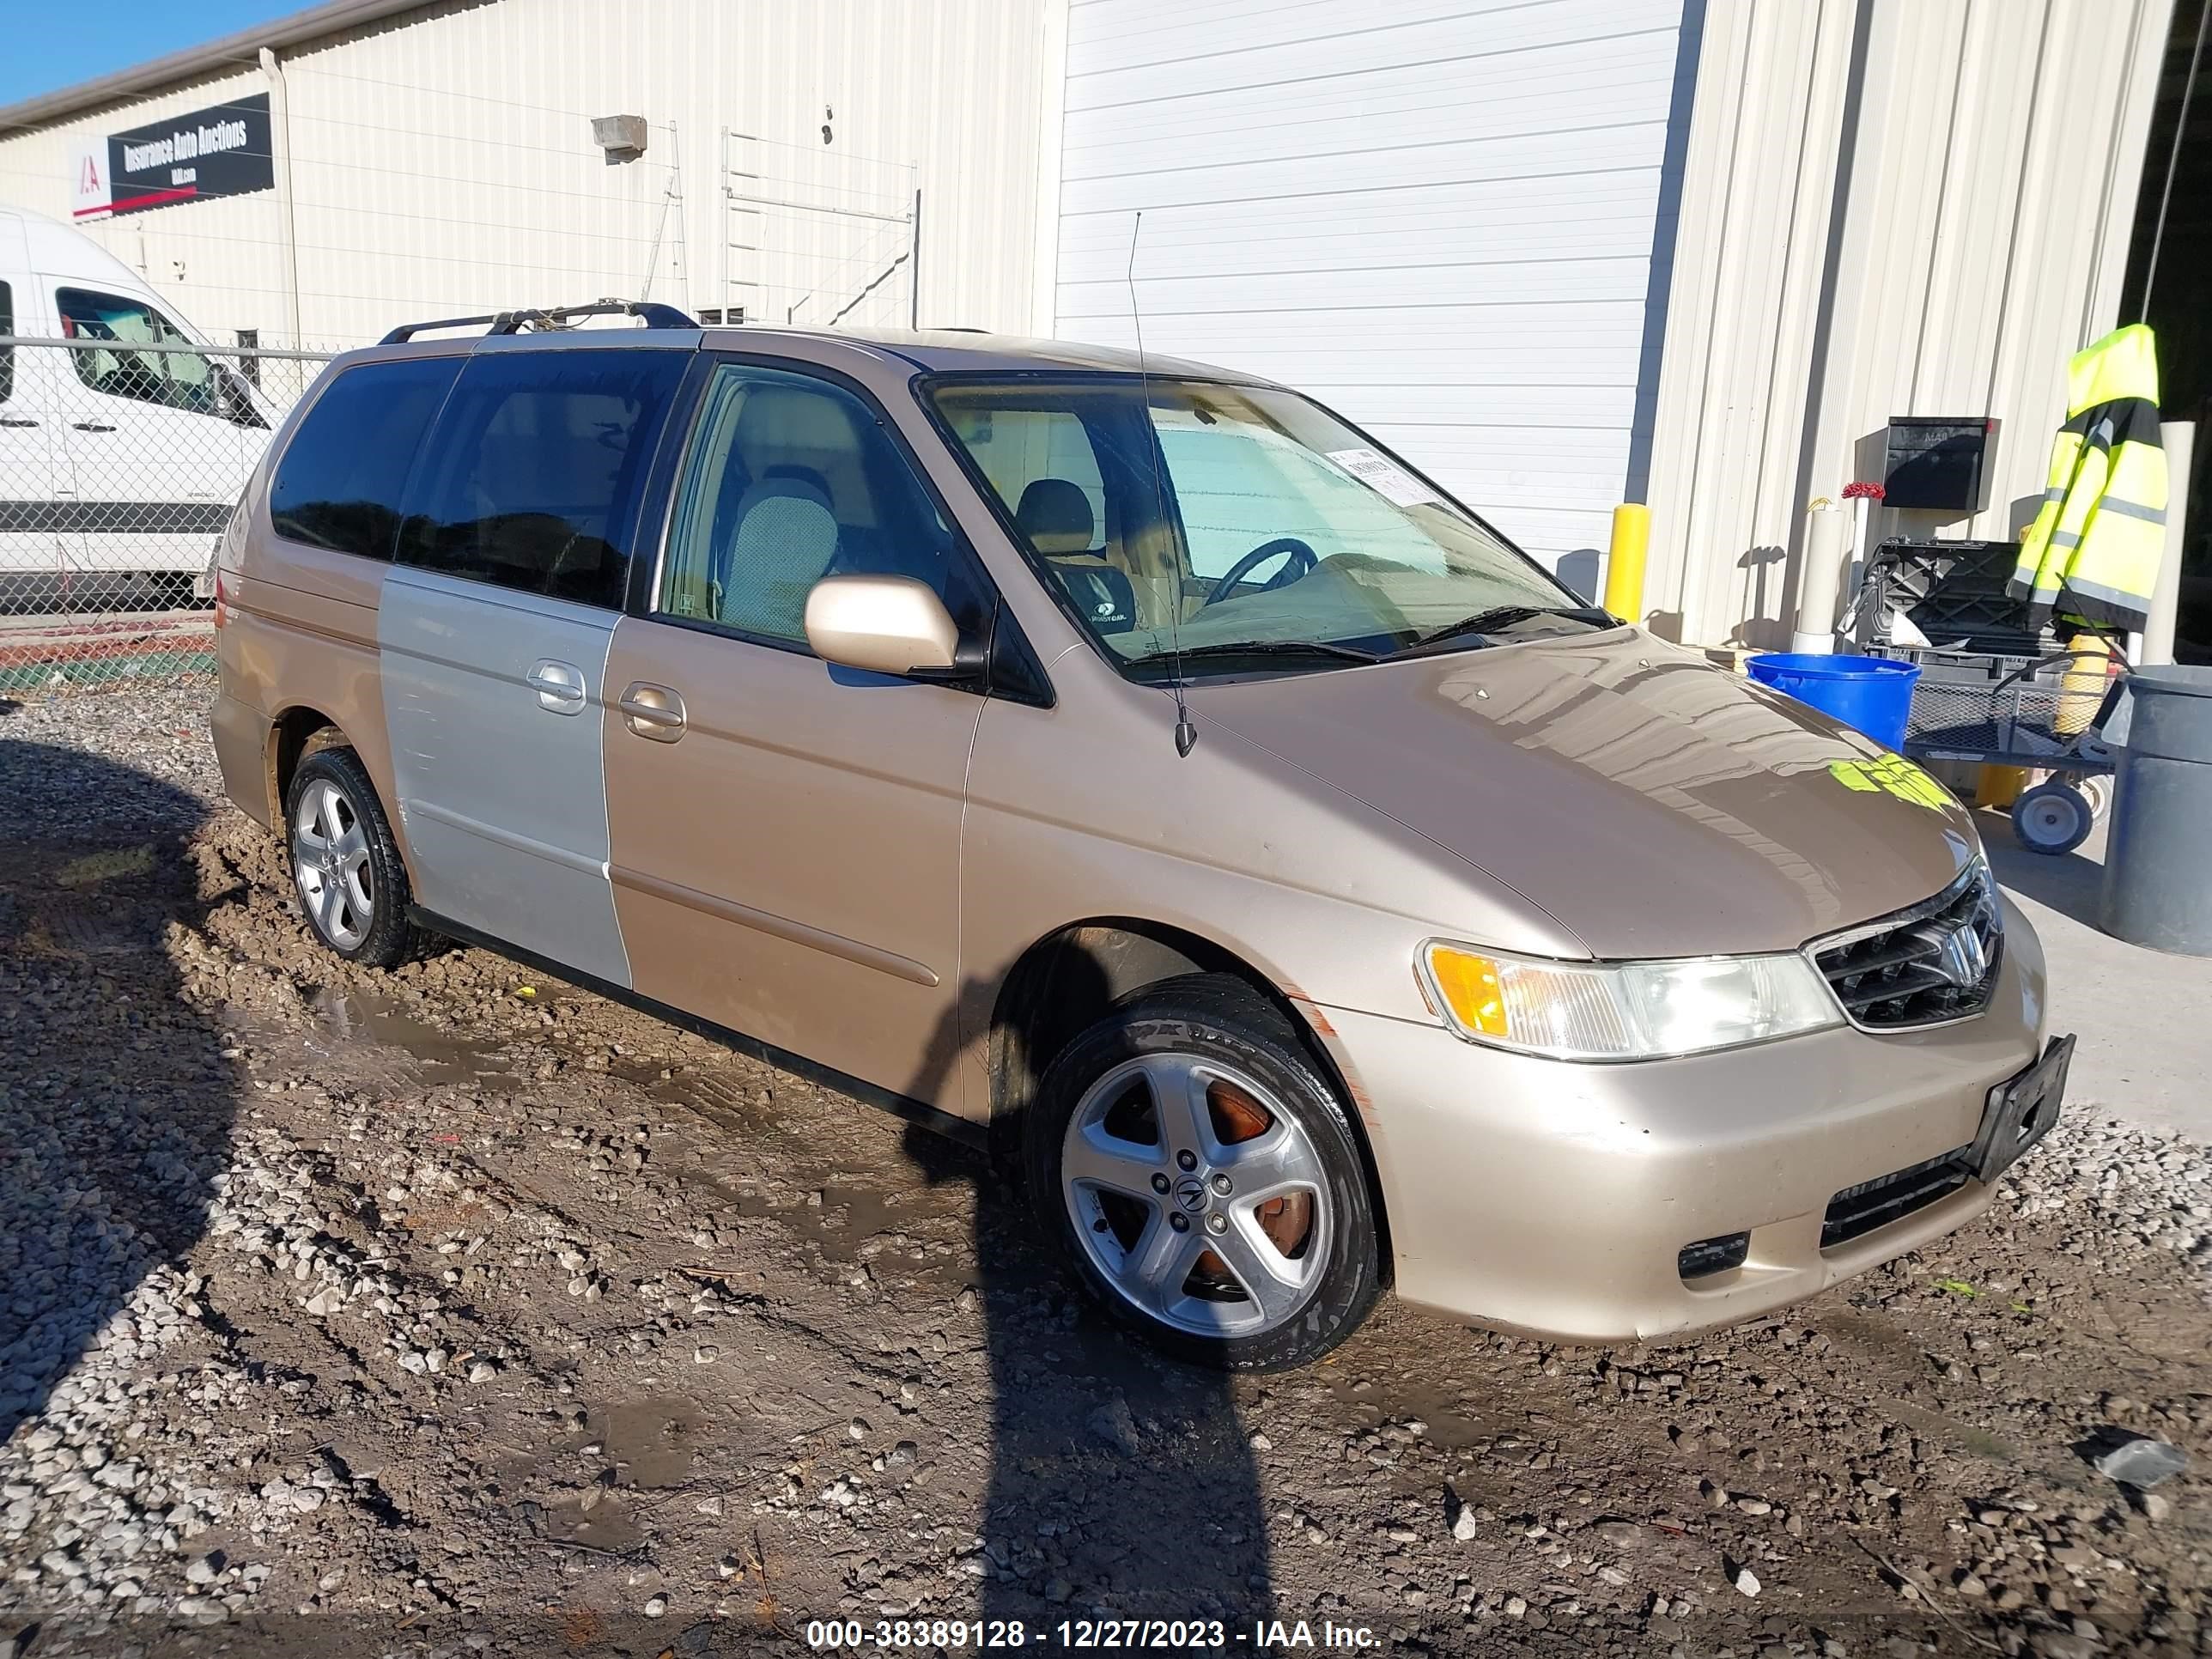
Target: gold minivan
[(1136, 768)]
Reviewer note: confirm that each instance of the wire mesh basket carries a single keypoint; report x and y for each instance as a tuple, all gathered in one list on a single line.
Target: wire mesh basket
[(2040, 712)]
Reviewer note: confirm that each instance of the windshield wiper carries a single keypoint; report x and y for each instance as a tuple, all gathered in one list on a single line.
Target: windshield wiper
[(1504, 615), (1306, 649)]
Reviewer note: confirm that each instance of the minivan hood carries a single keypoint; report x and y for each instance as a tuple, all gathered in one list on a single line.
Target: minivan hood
[(1651, 804)]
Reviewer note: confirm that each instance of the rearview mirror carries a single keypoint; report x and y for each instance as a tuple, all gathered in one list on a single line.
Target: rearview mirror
[(884, 624)]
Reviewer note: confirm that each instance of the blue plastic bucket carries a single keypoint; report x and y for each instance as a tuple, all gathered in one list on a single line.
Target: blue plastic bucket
[(1871, 694)]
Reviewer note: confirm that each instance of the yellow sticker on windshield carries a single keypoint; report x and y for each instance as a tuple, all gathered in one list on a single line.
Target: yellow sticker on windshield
[(1892, 774)]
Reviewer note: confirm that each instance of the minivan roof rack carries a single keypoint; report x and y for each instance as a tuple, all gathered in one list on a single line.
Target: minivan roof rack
[(655, 314)]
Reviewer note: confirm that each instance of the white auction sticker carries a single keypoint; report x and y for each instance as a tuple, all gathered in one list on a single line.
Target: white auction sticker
[(1383, 476)]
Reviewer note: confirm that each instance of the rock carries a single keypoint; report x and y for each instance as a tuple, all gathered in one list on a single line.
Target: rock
[(1464, 1526), (483, 1370), (1745, 1582), (2157, 1508), (1113, 1423), (656, 1606)]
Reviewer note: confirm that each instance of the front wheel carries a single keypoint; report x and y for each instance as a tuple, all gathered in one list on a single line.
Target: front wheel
[(1201, 1178), (2052, 819)]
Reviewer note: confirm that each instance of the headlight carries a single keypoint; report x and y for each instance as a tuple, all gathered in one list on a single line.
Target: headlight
[(1625, 1010)]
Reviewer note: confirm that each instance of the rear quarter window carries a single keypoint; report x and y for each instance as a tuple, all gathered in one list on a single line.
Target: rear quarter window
[(340, 481), (534, 475)]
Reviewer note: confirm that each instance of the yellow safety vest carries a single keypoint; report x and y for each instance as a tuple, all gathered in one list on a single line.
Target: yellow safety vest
[(2093, 551)]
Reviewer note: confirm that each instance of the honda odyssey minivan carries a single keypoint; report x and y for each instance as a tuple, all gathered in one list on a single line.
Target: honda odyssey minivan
[(1136, 768)]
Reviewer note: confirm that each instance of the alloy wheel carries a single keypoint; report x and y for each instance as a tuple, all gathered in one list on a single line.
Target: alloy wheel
[(331, 865), (1197, 1194)]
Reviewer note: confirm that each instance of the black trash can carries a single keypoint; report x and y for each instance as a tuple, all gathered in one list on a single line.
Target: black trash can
[(2158, 862)]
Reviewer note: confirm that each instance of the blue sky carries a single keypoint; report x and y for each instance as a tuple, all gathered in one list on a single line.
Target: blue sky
[(43, 55)]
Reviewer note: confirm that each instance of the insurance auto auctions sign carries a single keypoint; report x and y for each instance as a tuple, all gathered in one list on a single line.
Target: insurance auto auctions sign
[(222, 151)]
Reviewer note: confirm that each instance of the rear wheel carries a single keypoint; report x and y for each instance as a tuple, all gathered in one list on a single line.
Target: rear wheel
[(1201, 1178), (2097, 789), (345, 865)]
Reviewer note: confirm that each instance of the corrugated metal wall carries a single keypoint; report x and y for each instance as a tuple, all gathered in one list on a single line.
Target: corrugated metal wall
[(1993, 150), (444, 162), (1437, 216)]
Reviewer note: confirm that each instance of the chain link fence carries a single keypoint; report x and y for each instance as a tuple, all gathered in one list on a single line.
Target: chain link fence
[(122, 449)]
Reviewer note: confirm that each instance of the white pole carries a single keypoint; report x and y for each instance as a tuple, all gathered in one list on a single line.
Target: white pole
[(2178, 439), (279, 122), (1820, 580)]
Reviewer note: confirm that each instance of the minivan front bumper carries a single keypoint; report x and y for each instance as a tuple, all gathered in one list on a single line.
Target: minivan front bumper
[(1556, 1200)]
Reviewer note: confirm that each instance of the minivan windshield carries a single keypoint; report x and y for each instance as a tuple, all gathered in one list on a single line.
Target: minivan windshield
[(1239, 529)]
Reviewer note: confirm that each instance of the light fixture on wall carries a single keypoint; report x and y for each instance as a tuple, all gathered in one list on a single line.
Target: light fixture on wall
[(621, 137)]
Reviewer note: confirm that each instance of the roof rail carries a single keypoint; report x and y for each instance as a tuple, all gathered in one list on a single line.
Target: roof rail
[(514, 322)]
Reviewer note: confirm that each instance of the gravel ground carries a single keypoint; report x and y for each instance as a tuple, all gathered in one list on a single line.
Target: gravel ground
[(459, 1310)]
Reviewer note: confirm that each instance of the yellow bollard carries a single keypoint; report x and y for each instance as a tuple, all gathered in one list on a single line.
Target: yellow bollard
[(2000, 786), (1624, 564)]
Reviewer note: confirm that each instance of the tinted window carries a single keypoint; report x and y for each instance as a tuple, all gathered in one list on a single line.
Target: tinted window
[(340, 481), (534, 475), (175, 379), (7, 353), (790, 480)]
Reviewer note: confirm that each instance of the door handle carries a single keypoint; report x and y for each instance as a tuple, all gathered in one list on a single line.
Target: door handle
[(559, 686), (653, 711), (9, 420), (91, 426)]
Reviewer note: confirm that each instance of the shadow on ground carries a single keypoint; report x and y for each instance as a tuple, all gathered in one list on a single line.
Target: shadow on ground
[(116, 1102), (2068, 883), (1122, 1485)]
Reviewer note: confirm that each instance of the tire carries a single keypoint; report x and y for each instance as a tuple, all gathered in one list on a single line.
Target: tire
[(2097, 790), (346, 869), (1108, 1185), (2052, 819)]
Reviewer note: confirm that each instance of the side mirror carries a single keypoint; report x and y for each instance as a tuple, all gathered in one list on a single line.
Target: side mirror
[(884, 624), (233, 401)]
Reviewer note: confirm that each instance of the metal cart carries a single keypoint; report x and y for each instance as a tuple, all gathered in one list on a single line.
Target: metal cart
[(1992, 691)]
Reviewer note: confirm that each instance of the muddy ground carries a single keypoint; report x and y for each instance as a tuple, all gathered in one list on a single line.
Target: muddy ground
[(459, 1310)]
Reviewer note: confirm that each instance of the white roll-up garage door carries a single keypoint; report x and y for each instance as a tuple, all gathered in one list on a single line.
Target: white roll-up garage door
[(1437, 216)]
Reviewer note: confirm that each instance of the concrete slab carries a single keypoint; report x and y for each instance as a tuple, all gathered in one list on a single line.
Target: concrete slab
[(2143, 1018)]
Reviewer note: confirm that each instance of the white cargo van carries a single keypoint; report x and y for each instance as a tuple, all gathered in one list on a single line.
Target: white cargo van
[(117, 464)]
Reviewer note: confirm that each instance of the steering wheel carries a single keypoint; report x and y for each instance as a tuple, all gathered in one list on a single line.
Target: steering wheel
[(1301, 562)]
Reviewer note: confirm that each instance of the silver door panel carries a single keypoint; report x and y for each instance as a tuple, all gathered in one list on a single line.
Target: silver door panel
[(492, 699)]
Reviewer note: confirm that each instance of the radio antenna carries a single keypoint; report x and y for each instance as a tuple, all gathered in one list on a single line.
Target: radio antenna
[(1185, 734)]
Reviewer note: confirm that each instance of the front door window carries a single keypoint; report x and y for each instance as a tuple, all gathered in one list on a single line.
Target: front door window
[(788, 480)]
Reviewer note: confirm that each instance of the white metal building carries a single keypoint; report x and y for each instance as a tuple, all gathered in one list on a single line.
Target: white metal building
[(1561, 253)]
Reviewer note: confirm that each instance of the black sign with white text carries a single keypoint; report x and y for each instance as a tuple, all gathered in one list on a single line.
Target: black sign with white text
[(222, 151)]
